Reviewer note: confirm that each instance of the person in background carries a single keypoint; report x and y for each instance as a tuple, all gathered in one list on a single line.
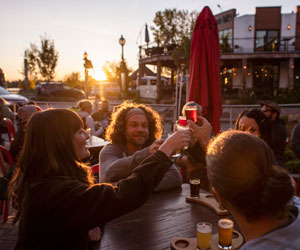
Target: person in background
[(85, 111), (134, 134), (192, 163), (24, 114), (278, 129), (5, 112), (56, 201), (257, 123), (103, 115), (295, 139), (257, 193)]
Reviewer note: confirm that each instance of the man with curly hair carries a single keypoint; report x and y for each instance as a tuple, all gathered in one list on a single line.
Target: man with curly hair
[(134, 133)]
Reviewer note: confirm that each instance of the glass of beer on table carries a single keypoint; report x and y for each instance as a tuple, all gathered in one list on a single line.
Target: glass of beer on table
[(204, 230), (225, 228), (195, 187)]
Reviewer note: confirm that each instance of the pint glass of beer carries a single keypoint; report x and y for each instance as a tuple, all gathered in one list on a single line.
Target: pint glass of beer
[(204, 230), (195, 187), (191, 112), (225, 227)]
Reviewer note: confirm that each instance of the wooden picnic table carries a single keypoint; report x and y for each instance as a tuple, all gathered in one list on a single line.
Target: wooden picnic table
[(152, 226)]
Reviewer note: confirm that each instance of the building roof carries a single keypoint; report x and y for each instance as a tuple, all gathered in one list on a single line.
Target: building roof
[(145, 71)]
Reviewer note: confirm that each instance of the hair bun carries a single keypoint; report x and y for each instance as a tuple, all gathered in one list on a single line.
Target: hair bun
[(276, 190)]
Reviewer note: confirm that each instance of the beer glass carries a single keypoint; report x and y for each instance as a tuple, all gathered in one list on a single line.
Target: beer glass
[(204, 230), (191, 112), (225, 228), (181, 124), (195, 187)]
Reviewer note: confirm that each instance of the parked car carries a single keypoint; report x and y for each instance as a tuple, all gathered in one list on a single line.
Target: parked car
[(57, 89), (13, 98)]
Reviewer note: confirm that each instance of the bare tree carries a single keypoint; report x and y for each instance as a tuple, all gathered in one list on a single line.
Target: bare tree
[(43, 60)]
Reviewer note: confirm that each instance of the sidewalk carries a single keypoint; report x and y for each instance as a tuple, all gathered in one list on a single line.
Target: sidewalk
[(8, 232)]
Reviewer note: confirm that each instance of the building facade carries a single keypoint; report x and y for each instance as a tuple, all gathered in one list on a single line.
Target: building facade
[(260, 51)]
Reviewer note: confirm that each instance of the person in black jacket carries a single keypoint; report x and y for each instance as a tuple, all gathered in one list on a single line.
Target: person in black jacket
[(278, 130), (56, 201)]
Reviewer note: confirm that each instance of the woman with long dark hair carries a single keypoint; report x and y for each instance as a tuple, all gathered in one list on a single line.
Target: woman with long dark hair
[(53, 192), (255, 122)]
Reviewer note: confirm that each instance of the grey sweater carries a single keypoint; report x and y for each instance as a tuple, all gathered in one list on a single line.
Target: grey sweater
[(283, 238), (116, 163)]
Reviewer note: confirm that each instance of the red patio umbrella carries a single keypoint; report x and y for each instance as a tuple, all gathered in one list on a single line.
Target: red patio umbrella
[(204, 83)]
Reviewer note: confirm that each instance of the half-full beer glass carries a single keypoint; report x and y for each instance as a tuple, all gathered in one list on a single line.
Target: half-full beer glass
[(225, 227), (204, 230)]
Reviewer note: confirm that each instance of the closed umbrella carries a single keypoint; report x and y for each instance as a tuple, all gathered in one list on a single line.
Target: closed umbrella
[(147, 39), (204, 82)]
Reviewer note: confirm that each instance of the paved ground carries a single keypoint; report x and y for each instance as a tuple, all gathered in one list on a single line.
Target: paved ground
[(8, 233)]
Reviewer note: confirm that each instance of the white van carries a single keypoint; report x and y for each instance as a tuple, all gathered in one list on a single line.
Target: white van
[(148, 88)]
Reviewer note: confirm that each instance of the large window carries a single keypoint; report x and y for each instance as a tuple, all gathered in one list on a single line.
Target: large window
[(225, 37), (267, 40)]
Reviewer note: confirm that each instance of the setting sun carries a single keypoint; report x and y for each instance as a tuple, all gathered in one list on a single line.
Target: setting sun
[(99, 75)]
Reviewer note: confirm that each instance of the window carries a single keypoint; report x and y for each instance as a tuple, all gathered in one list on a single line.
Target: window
[(225, 37), (267, 40)]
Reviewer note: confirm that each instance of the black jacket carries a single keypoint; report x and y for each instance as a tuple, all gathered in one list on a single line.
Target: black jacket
[(279, 137)]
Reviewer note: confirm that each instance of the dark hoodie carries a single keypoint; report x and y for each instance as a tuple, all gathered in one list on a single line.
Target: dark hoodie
[(279, 136)]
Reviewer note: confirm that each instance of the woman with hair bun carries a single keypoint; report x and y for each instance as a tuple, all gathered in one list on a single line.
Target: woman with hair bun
[(258, 194)]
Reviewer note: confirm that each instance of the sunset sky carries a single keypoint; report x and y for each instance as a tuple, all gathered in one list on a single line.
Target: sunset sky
[(94, 26)]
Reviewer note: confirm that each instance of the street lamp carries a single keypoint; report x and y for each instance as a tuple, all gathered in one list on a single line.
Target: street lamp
[(122, 42), (87, 65)]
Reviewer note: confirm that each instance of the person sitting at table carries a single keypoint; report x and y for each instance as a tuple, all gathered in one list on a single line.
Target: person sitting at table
[(134, 133), (255, 122), (5, 112), (85, 111), (23, 115), (193, 163), (257, 193), (103, 116), (56, 200)]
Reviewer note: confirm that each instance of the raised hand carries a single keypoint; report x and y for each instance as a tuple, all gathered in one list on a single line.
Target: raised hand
[(176, 141), (203, 132), (155, 145)]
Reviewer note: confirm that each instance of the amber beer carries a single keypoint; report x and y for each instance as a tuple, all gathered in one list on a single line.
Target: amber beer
[(195, 187), (191, 113), (203, 235), (225, 227)]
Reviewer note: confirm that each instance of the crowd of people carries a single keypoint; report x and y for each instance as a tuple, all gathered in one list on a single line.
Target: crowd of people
[(59, 206)]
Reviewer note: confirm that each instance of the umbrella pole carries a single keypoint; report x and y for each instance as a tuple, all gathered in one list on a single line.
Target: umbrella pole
[(180, 95), (187, 86), (176, 98)]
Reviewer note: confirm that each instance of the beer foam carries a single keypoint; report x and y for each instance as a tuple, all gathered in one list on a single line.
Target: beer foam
[(202, 228), (195, 181), (225, 223)]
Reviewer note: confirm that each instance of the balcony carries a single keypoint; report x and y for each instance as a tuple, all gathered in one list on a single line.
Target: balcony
[(259, 45)]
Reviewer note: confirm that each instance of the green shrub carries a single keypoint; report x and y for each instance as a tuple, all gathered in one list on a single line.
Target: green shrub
[(292, 163)]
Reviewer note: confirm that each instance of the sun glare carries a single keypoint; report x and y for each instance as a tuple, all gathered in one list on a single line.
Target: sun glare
[(100, 75)]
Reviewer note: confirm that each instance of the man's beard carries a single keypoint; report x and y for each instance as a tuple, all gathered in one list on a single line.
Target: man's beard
[(138, 142)]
